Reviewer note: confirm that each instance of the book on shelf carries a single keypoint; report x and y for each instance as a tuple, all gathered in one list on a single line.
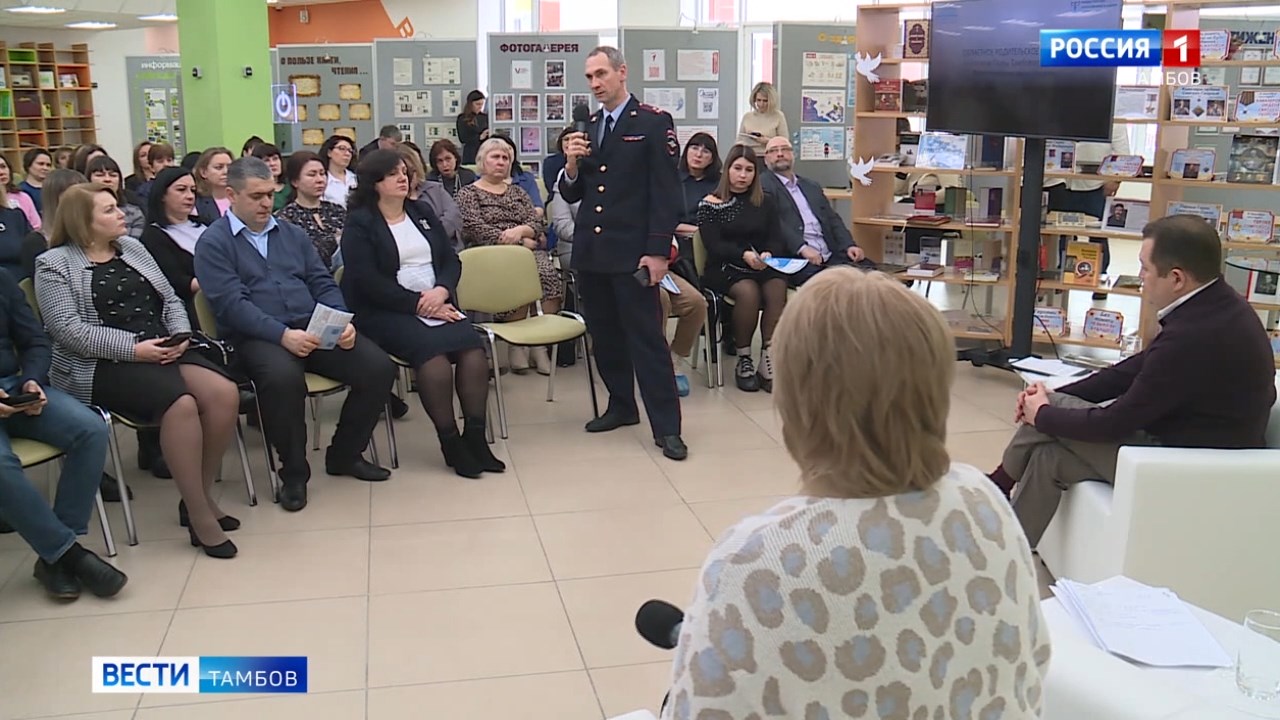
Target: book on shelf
[(1128, 282), (931, 251), (928, 219), (1251, 226), (1137, 102), (915, 96), (888, 95), (4, 80), (46, 80), (942, 151), (925, 270), (1253, 159), (1082, 264), (962, 255), (69, 80), (1052, 320), (1121, 166), (1100, 324), (895, 248), (1059, 156), (1262, 281), (1126, 215), (1257, 106), (989, 151), (1199, 102), (995, 204), (1215, 44), (915, 39), (1192, 163), (982, 276), (1211, 212), (909, 147), (955, 201)]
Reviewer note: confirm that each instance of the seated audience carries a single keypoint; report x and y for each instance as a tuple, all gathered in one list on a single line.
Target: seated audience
[(172, 235), (83, 154), (401, 276), (320, 219), (15, 198), (190, 159), (37, 241), (141, 167), (552, 164), (62, 157), (389, 137), (102, 169), (337, 154), (699, 177), (63, 566), (37, 163), (247, 148), (213, 196), (497, 212), (764, 121), (159, 157), (264, 309), (432, 193), (522, 178), (897, 579), (119, 336), (562, 216), (446, 167), (809, 226), (14, 229), (270, 154), (1206, 381), (739, 229), (472, 125)]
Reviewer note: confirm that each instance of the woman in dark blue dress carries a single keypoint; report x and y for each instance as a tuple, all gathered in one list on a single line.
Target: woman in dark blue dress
[(400, 281)]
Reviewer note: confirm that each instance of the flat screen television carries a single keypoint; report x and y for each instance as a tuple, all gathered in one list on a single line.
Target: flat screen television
[(985, 76)]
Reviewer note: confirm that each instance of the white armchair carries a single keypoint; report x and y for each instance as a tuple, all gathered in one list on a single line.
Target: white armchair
[(1201, 522)]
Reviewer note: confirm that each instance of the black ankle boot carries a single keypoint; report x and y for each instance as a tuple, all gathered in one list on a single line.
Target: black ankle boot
[(459, 457), (474, 437)]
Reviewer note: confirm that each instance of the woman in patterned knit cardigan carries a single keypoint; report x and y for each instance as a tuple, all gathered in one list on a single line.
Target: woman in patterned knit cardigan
[(898, 584)]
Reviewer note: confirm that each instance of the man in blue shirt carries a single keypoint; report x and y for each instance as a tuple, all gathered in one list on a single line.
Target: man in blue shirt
[(264, 278)]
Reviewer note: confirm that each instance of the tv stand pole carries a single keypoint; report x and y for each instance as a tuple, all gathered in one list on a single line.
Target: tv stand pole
[(1027, 265)]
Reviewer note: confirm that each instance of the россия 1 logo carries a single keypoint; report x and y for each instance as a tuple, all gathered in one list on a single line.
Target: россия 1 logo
[(1119, 48)]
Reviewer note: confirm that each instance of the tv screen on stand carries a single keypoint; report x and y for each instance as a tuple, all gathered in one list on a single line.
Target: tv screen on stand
[(985, 76)]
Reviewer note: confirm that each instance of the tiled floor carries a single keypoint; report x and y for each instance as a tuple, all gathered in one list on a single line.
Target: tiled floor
[(431, 595)]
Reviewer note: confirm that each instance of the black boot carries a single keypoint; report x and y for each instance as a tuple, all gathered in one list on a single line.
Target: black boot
[(459, 457), (111, 489), (474, 437)]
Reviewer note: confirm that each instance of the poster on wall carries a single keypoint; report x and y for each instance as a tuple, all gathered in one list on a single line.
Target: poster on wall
[(441, 71), (576, 99), (530, 141), (670, 99), (822, 69), (530, 108), (554, 74), (684, 132), (708, 103), (452, 100), (155, 99), (655, 65), (555, 107), (402, 71), (521, 74), (822, 143), (334, 85), (504, 108), (698, 65), (406, 131), (412, 103), (822, 106)]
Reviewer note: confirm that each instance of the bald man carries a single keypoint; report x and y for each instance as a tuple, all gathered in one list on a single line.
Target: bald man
[(810, 227)]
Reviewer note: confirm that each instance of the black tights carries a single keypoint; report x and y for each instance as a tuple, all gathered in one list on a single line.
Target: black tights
[(747, 300), (437, 379)]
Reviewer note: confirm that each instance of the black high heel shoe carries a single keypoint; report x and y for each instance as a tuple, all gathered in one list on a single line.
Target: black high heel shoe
[(224, 550), (226, 522)]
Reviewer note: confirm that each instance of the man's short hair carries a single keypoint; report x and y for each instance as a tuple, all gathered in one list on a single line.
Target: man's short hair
[(616, 61), (390, 132), (1186, 242), (247, 167)]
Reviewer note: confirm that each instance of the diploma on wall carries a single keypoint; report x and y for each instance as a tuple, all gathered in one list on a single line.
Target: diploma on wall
[(328, 324)]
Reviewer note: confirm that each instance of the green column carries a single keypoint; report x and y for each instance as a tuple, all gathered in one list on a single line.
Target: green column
[(222, 38)]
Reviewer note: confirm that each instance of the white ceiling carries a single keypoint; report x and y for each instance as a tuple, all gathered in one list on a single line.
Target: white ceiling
[(123, 13)]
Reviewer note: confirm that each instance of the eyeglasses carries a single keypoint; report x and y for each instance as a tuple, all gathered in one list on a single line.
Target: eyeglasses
[(343, 148), (778, 151)]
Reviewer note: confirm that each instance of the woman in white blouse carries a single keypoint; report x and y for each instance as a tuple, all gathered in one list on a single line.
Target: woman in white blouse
[(337, 154), (897, 584)]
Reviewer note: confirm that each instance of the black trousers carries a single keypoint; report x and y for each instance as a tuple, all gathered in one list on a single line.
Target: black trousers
[(626, 325), (282, 393), (1090, 202), (808, 271)]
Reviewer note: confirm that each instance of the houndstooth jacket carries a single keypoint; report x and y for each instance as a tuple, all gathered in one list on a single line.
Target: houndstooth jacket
[(64, 291)]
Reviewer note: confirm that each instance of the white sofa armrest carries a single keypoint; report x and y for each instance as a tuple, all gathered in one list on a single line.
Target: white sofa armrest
[(1201, 522)]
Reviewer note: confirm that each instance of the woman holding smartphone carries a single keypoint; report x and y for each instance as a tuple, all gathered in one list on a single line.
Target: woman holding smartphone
[(120, 342)]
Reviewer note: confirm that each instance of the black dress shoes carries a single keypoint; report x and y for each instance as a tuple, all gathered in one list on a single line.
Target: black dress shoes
[(672, 447), (58, 580), (224, 550), (95, 574), (611, 420), (226, 522), (359, 469), (293, 496), (398, 407), (110, 489)]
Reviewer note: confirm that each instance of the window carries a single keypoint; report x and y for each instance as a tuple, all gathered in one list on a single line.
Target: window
[(761, 57), (558, 15), (767, 11), (710, 12)]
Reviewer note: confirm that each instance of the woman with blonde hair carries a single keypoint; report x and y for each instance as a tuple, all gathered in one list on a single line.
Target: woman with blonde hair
[(210, 173), (764, 120), (120, 341), (897, 584), (496, 211)]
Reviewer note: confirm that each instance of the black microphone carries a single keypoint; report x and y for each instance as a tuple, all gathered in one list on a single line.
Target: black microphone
[(580, 116), (660, 622)]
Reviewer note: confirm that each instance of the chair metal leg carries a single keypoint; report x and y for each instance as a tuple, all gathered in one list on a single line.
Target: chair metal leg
[(272, 475), (315, 422), (591, 380), (488, 424), (373, 451), (497, 384), (244, 464), (107, 538), (709, 347), (130, 528), (551, 379), (391, 440)]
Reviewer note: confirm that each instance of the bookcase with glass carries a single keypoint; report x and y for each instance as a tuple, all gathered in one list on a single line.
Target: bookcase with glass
[(46, 98)]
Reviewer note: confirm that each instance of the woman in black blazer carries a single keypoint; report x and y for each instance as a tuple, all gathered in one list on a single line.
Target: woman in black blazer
[(400, 281), (173, 232)]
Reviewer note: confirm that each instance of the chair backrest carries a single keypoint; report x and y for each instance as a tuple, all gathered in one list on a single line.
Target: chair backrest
[(498, 278), (29, 289), (204, 315), (699, 254), (1273, 426)]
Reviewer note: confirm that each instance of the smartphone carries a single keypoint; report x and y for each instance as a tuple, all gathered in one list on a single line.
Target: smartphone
[(20, 400), (175, 340), (642, 276)]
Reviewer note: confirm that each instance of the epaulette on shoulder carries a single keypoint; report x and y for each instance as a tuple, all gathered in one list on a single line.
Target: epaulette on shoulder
[(651, 109)]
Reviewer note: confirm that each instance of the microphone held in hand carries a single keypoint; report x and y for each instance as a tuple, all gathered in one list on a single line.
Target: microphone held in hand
[(659, 622), (580, 116)]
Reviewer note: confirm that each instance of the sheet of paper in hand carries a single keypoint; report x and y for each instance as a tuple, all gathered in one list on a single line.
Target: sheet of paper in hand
[(786, 266), (327, 324)]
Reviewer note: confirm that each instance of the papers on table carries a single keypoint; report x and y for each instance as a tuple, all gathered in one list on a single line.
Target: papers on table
[(1142, 623), (327, 324), (786, 266), (1049, 367)]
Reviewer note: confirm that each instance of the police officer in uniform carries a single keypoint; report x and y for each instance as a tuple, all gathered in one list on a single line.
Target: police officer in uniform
[(623, 169)]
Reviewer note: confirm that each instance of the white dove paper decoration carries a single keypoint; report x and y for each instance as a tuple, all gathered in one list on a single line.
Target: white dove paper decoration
[(859, 170), (866, 66)]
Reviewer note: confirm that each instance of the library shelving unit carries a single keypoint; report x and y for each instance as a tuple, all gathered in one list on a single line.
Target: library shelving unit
[(46, 99), (880, 28)]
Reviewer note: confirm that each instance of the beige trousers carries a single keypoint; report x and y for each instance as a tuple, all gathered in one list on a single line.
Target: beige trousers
[(690, 309)]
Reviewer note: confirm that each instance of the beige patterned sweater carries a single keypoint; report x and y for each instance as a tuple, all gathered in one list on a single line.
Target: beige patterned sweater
[(921, 606)]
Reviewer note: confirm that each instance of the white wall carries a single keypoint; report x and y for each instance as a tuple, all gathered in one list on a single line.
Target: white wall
[(648, 13)]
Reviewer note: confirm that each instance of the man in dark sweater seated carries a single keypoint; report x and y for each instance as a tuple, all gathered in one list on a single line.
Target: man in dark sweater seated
[(264, 278), (1206, 381)]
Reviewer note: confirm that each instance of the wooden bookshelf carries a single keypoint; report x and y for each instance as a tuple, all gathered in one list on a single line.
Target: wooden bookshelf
[(47, 100)]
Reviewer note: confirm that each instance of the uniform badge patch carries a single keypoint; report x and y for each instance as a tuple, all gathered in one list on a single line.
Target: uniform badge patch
[(673, 144)]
